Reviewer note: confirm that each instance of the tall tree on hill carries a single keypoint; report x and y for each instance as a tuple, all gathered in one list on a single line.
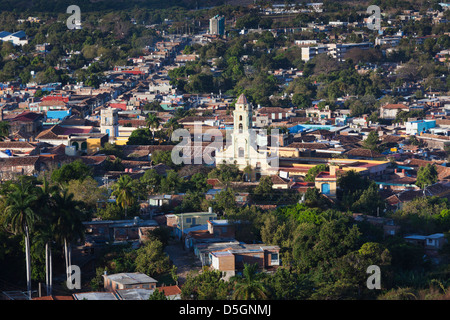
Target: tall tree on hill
[(67, 223), (123, 190), (153, 123), (21, 217)]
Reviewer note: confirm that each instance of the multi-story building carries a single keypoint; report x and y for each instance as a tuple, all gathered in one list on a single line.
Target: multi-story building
[(109, 122), (217, 25), (389, 111), (310, 52), (336, 50), (419, 126)]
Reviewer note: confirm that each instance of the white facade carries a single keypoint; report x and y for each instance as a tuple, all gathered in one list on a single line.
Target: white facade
[(248, 147), (109, 122), (18, 38)]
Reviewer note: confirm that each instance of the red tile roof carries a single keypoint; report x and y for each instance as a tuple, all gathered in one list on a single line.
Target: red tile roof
[(170, 290), (242, 99), (27, 116)]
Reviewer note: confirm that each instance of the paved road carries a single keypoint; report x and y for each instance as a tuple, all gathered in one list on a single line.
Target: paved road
[(184, 260)]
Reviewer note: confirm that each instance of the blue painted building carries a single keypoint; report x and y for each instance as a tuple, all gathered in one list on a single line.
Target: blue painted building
[(419, 126), (56, 116), (305, 127)]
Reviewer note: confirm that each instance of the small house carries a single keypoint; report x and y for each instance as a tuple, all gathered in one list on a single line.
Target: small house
[(134, 280)]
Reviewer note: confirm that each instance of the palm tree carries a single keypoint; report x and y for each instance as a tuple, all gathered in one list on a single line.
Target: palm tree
[(45, 235), (43, 238), (20, 217), (123, 190), (153, 123), (171, 125), (249, 287), (67, 225)]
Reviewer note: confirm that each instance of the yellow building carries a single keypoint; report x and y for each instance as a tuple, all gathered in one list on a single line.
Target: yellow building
[(326, 182)]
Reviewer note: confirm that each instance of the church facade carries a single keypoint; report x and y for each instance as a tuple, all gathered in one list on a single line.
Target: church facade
[(247, 146)]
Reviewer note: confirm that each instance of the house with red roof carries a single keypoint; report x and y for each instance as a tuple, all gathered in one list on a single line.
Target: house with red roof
[(28, 123)]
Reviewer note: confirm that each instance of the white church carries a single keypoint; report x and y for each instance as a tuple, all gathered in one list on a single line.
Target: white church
[(248, 146)]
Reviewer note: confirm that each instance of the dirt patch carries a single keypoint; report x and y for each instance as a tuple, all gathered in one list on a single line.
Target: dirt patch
[(183, 259)]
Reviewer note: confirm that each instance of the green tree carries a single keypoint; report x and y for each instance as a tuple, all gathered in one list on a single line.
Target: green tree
[(161, 156), (320, 245), (153, 123), (224, 200), (250, 286), (141, 136), (314, 171), (171, 184), (225, 173), (157, 295), (350, 187), (426, 176), (67, 225), (151, 180), (123, 189), (87, 192), (207, 285), (264, 190), (371, 141), (151, 258), (285, 284), (111, 211), (112, 149), (20, 217), (301, 101), (370, 202), (75, 170)]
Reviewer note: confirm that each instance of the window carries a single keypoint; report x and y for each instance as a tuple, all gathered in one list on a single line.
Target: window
[(188, 220), (241, 152), (274, 259), (241, 128)]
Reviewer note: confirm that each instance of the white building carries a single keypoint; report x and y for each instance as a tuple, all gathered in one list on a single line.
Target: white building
[(18, 38), (248, 146), (336, 50), (109, 122)]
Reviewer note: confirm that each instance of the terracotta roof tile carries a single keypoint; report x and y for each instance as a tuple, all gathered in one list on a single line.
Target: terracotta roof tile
[(242, 99), (170, 290)]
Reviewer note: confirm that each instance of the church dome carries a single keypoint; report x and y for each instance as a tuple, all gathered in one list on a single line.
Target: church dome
[(242, 99)]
